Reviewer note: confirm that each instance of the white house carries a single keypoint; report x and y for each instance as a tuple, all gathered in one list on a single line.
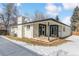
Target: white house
[(40, 28)]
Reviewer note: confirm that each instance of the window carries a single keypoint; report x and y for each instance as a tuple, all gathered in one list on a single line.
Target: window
[(28, 26)]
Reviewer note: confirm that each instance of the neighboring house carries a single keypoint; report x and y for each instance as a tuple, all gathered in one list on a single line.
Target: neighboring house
[(41, 28)]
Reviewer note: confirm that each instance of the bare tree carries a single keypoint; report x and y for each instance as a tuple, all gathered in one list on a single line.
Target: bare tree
[(9, 15), (39, 16)]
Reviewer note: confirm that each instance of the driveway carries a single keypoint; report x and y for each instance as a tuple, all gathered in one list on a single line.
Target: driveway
[(8, 48)]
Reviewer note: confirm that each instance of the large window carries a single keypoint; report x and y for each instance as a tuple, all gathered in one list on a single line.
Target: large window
[(42, 29)]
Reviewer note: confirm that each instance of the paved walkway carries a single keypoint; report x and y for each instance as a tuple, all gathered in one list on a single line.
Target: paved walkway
[(8, 48)]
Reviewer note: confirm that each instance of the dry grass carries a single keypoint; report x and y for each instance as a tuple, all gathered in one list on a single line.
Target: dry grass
[(39, 42)]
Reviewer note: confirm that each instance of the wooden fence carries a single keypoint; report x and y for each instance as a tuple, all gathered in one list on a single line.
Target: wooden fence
[(75, 33)]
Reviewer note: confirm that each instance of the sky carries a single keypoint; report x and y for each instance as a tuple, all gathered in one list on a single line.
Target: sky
[(63, 10)]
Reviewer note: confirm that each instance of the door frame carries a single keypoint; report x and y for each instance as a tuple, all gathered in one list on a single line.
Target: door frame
[(41, 29), (56, 30)]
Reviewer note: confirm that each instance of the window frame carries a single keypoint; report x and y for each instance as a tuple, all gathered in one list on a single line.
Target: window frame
[(28, 27)]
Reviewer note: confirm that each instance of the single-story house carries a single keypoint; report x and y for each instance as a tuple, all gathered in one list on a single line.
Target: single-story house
[(40, 28)]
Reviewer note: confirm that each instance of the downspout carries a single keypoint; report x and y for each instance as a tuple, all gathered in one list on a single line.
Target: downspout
[(61, 29), (22, 30)]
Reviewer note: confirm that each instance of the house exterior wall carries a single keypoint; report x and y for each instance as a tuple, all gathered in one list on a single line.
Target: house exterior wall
[(63, 30), (33, 31), (13, 31), (19, 32), (36, 27), (28, 33), (36, 30), (19, 27)]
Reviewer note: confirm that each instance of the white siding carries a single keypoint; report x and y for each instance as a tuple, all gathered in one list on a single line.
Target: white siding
[(65, 33), (28, 32), (19, 32), (19, 28), (35, 30), (23, 31), (13, 31), (61, 33)]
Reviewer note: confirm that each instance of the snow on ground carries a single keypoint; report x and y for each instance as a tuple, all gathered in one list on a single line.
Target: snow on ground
[(66, 49)]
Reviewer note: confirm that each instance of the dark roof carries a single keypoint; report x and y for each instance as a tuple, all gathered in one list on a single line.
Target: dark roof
[(44, 20)]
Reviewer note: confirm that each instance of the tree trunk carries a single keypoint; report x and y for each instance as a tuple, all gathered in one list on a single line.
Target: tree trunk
[(6, 28)]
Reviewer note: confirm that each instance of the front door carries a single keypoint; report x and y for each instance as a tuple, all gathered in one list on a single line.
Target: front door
[(42, 30), (54, 30)]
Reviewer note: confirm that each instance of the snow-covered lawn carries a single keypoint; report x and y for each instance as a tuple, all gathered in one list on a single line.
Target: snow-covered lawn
[(67, 49)]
